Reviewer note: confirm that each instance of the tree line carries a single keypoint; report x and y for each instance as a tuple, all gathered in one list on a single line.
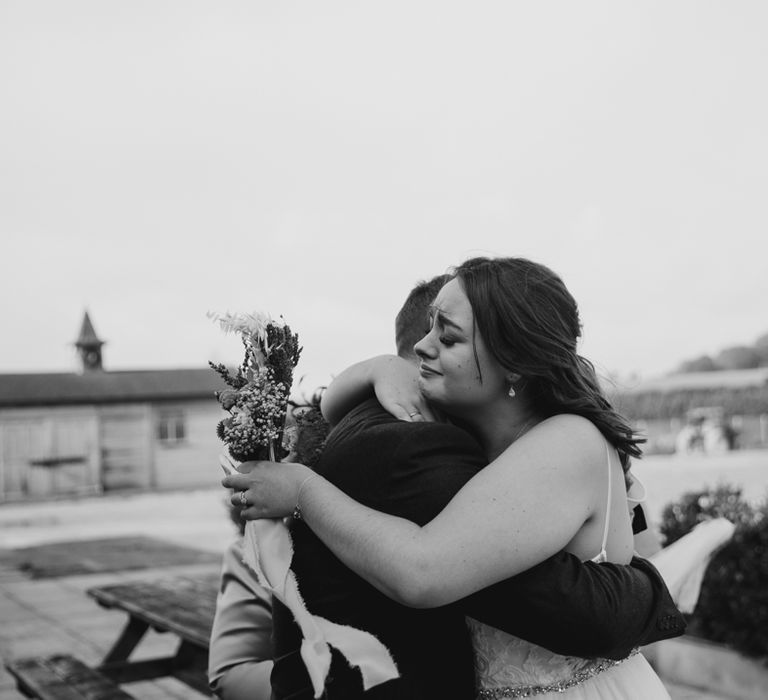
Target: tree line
[(734, 357)]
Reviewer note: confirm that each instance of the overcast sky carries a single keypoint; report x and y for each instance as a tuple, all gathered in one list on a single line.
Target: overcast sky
[(163, 158)]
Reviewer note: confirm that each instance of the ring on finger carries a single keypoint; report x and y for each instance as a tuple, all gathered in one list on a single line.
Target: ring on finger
[(243, 501), (415, 413)]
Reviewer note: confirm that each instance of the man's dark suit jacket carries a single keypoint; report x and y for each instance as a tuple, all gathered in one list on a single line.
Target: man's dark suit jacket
[(412, 470)]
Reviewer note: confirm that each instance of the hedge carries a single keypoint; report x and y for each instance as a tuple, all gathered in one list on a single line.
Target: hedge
[(675, 404)]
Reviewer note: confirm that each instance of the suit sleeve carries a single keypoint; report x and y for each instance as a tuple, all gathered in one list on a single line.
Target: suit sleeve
[(569, 607), (581, 608), (240, 653)]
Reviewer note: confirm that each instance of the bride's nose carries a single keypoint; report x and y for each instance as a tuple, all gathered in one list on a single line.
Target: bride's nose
[(424, 348)]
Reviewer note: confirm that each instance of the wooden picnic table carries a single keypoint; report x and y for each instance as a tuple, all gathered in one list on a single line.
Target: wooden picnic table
[(183, 606)]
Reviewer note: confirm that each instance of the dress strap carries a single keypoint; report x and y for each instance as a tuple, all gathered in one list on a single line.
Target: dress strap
[(603, 555)]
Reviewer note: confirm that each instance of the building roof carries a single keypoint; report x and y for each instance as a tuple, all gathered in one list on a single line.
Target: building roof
[(21, 390), (702, 381)]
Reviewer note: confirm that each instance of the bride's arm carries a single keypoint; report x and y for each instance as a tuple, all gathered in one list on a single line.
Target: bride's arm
[(347, 390), (525, 506), (390, 378)]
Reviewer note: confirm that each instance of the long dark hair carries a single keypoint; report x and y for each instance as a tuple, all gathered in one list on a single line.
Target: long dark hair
[(530, 324)]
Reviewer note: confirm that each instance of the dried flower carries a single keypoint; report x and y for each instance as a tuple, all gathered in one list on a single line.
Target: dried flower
[(258, 399)]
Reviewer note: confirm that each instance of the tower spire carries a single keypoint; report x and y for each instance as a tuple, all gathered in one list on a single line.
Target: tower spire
[(89, 346)]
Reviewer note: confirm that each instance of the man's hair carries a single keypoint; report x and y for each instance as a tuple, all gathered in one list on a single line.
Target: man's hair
[(411, 320)]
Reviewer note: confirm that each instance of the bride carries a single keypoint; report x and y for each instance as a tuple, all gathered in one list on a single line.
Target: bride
[(500, 359)]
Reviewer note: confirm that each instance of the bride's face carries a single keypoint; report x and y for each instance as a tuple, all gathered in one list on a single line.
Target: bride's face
[(450, 357)]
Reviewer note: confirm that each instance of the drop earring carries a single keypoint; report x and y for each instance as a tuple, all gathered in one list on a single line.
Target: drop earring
[(512, 392)]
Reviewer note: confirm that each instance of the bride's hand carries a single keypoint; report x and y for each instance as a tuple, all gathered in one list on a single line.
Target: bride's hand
[(267, 489), (396, 384)]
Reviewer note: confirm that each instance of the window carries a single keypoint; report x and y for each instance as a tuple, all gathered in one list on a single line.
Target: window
[(171, 428)]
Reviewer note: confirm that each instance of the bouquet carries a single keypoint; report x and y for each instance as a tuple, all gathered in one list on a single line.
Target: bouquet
[(258, 398), (257, 402)]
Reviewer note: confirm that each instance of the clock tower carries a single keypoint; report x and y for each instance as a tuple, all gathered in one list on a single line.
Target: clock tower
[(89, 346)]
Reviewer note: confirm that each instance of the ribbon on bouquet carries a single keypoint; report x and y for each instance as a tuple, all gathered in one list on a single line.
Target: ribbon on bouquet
[(268, 551)]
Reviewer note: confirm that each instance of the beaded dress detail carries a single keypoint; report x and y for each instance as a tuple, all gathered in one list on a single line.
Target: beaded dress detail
[(509, 667)]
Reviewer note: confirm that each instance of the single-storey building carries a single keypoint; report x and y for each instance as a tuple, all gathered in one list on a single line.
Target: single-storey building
[(99, 430)]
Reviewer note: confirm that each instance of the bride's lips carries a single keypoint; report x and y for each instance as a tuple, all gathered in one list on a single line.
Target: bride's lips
[(425, 371)]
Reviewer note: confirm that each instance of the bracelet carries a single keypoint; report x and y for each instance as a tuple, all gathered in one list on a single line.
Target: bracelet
[(297, 509)]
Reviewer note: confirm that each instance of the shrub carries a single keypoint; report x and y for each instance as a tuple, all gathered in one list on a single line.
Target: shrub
[(694, 507), (733, 603)]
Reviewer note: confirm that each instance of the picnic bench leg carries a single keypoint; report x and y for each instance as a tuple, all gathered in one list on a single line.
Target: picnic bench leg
[(191, 666), (131, 635), (119, 669)]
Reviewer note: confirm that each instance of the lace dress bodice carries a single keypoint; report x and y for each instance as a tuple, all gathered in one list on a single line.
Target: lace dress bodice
[(507, 666)]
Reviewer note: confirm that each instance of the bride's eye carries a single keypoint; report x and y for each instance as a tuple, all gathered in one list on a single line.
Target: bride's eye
[(448, 342)]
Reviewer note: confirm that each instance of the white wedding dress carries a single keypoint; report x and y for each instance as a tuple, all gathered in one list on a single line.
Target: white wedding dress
[(509, 667)]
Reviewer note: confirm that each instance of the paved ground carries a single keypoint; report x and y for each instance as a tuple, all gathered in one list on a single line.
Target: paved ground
[(54, 615), (195, 518)]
